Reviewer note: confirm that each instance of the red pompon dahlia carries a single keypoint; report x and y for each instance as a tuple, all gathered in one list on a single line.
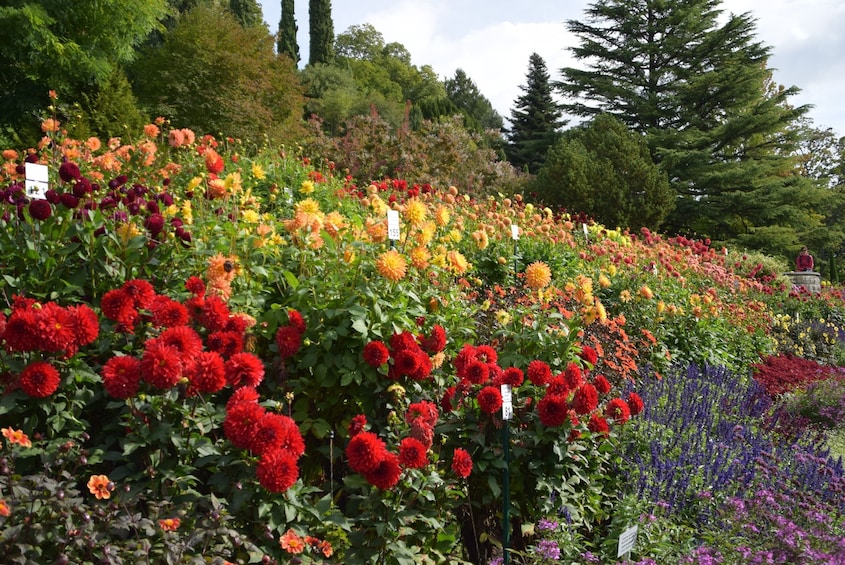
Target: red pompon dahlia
[(184, 339), (477, 372), (486, 354), (598, 425), (462, 463), (277, 470), (423, 432), (240, 423), (288, 340), (207, 374), (55, 328), (462, 360), (405, 362), (86, 325), (141, 292), (226, 343), (161, 365), (214, 313), (618, 411), (635, 403), (386, 474), (365, 451), (402, 341), (291, 440), (588, 354), (489, 399), (553, 410), (558, 385), (40, 209), (574, 377), (586, 399), (21, 333), (447, 399), (424, 411), (168, 313), (357, 425), (268, 435), (602, 384), (195, 286), (119, 307), (244, 369), (39, 379), (512, 376), (424, 366), (243, 394), (539, 372), (296, 321), (376, 354), (121, 376), (412, 453), (435, 342)]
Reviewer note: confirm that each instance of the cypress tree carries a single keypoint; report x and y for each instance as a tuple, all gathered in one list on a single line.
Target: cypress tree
[(287, 44), (247, 12), (702, 94), (535, 120), (321, 32)]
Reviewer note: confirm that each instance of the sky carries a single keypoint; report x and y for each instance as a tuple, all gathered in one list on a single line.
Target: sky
[(492, 40)]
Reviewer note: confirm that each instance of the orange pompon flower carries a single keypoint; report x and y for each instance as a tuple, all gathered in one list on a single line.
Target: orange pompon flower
[(292, 542), (538, 275), (16, 437), (151, 130), (646, 292), (100, 486), (391, 265), (50, 125), (169, 524)]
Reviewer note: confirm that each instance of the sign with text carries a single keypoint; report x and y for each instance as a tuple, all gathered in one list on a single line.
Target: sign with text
[(627, 540), (37, 180), (514, 232), (507, 402), (393, 224)]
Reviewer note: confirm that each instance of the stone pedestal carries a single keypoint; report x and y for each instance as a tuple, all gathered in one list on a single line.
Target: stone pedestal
[(810, 280)]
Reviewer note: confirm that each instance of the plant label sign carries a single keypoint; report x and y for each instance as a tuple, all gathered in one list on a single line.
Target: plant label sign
[(507, 402), (393, 225), (37, 180), (627, 540), (514, 232)]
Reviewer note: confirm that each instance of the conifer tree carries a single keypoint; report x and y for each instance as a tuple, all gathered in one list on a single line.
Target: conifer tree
[(702, 94), (321, 32), (536, 119), (465, 95), (287, 44), (247, 12)]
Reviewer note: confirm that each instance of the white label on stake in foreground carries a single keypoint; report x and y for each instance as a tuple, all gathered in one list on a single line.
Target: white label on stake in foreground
[(507, 402), (627, 539), (393, 224)]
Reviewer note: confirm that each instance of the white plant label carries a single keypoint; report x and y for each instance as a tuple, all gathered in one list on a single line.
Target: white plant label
[(393, 224), (37, 180), (514, 232), (627, 540), (507, 402)]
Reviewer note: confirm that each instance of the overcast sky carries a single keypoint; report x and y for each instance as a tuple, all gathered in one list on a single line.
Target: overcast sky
[(492, 40)]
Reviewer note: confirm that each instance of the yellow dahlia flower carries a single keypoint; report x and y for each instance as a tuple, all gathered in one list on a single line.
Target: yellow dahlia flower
[(391, 265)]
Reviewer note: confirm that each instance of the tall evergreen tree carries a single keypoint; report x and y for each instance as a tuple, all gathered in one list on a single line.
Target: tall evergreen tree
[(701, 93), (536, 119), (247, 12), (286, 44), (465, 95), (321, 32)]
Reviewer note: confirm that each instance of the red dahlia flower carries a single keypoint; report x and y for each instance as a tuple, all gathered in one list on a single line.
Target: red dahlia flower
[(461, 463), (40, 209), (365, 451), (435, 342), (357, 425), (240, 423), (412, 453), (39, 379), (121, 376), (586, 399), (141, 292), (386, 474), (277, 470), (243, 394), (296, 321), (244, 369), (558, 385), (489, 399), (161, 365), (635, 403), (553, 410), (598, 425), (618, 411), (512, 376), (376, 354), (574, 377), (602, 384), (207, 374), (288, 340), (539, 372), (588, 354)]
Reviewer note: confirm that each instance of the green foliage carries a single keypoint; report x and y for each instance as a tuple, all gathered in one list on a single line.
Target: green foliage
[(226, 81), (71, 49), (535, 119), (112, 111), (606, 171), (320, 32), (247, 12), (464, 94), (287, 44)]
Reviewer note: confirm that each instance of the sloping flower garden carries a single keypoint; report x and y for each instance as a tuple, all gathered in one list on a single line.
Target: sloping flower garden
[(211, 355)]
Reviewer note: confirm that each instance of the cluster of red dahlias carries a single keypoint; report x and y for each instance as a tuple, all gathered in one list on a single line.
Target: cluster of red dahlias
[(408, 355), (275, 438), (477, 367), (289, 338), (367, 453), (33, 327), (198, 344)]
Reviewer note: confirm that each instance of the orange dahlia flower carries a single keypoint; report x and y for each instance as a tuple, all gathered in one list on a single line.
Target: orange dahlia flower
[(538, 275), (391, 265)]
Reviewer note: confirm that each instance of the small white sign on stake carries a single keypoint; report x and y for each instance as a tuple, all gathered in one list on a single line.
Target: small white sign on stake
[(627, 540), (393, 224), (514, 232), (586, 233), (37, 180), (507, 402)]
